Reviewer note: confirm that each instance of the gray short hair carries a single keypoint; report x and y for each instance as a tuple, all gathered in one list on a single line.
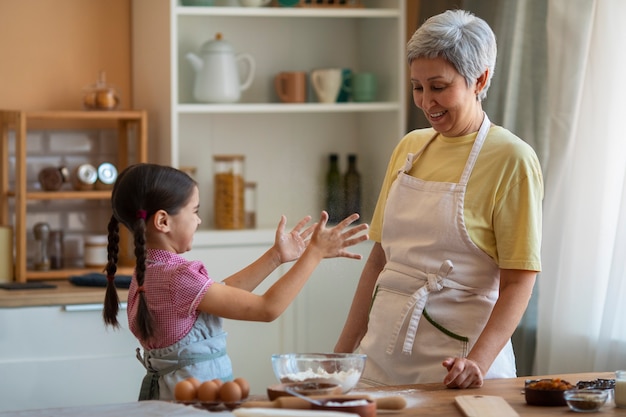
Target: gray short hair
[(461, 38)]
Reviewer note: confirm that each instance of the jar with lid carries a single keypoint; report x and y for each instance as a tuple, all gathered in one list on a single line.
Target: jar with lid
[(107, 174), (84, 177), (53, 178), (42, 236), (250, 204), (229, 191), (95, 250)]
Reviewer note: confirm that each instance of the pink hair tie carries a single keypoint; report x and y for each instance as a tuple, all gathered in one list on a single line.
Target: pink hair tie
[(111, 278), (142, 214), (140, 289)]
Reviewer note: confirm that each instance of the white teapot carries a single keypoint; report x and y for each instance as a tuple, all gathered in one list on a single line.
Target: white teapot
[(217, 72)]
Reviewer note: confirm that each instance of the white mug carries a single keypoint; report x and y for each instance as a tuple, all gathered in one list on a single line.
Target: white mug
[(254, 3), (327, 83)]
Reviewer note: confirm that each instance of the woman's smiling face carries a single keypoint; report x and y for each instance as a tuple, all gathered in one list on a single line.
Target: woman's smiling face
[(450, 105)]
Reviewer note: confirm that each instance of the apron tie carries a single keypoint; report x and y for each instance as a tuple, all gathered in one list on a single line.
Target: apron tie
[(415, 306), (150, 383)]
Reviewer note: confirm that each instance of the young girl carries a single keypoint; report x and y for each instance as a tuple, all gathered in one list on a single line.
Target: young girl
[(174, 308)]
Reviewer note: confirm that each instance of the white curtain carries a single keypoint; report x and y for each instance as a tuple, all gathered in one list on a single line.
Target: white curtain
[(582, 288)]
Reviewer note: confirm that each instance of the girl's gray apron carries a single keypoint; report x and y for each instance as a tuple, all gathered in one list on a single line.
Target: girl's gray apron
[(437, 290), (202, 354)]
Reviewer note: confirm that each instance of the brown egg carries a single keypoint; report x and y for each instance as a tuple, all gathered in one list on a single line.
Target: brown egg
[(218, 382), (184, 391), (208, 391), (195, 381), (230, 392), (245, 387)]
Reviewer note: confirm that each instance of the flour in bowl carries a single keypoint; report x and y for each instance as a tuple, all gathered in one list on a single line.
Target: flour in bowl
[(346, 379)]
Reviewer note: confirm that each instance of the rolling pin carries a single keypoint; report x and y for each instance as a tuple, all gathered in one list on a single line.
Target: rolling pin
[(382, 403)]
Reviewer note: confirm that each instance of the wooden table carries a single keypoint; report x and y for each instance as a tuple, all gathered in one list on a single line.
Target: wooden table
[(437, 400), (432, 400)]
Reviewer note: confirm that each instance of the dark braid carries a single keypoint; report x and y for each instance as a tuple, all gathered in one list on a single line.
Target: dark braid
[(111, 298), (139, 192), (145, 321)]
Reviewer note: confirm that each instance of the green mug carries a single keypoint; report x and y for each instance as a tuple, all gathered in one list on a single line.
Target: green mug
[(288, 3), (364, 86)]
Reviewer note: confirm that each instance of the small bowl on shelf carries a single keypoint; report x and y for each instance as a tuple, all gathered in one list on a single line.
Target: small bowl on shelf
[(585, 400), (343, 369)]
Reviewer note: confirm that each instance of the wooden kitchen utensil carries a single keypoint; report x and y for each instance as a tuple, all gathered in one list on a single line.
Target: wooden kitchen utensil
[(382, 403), (484, 406)]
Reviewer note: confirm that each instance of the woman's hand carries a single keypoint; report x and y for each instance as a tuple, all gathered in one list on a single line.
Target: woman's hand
[(462, 373), (290, 246)]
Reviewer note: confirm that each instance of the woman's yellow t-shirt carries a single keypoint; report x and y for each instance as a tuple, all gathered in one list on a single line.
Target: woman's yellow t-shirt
[(503, 201)]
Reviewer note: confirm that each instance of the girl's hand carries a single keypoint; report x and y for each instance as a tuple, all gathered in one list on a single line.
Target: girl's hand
[(290, 246), (333, 241)]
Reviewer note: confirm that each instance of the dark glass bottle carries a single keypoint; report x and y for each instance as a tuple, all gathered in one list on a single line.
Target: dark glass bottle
[(352, 187), (56, 249), (334, 191)]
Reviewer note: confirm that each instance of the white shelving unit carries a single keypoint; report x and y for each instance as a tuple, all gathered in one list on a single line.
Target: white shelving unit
[(286, 145)]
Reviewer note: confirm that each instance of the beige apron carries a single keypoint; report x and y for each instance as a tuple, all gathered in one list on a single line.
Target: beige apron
[(437, 290)]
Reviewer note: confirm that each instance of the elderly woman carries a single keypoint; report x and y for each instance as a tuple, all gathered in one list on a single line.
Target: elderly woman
[(457, 227)]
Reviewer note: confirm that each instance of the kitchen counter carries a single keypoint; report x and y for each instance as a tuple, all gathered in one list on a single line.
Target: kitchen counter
[(437, 400), (65, 293), (422, 399)]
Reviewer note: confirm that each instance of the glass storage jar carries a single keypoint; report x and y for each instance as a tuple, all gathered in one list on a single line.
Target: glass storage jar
[(250, 204), (229, 191), (42, 236), (95, 250)]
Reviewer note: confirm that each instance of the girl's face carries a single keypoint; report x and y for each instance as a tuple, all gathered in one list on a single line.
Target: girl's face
[(184, 224), (441, 92)]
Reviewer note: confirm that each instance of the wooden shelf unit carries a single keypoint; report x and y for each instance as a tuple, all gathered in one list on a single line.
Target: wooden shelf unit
[(20, 122)]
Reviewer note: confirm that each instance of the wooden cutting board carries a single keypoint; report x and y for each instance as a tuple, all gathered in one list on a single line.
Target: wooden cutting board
[(484, 406)]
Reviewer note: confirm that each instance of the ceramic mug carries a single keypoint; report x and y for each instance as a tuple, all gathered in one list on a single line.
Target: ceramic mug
[(291, 86), (254, 3), (344, 92), (288, 3), (364, 87), (327, 83)]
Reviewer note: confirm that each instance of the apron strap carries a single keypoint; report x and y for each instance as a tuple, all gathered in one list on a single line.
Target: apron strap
[(415, 306), (478, 144), (150, 383)]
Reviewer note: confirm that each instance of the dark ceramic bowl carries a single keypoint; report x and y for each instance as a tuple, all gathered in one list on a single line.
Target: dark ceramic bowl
[(362, 407), (537, 392)]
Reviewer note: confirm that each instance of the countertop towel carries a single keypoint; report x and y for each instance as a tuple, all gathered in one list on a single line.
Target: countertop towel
[(95, 279)]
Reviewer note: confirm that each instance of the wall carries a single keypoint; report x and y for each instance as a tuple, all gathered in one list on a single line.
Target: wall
[(51, 49)]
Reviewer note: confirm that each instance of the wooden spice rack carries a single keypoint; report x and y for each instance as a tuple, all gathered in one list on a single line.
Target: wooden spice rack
[(20, 122)]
